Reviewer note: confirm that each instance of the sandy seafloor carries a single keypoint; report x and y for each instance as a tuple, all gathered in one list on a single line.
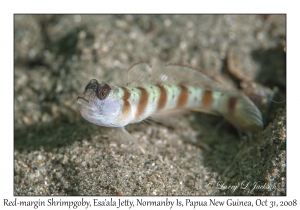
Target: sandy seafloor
[(57, 152)]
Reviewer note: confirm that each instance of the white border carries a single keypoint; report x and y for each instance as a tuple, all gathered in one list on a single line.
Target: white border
[(187, 6)]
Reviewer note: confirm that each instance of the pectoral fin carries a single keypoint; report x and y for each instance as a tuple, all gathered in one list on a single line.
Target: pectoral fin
[(121, 136)]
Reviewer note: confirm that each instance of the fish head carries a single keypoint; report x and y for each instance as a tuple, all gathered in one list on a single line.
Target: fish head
[(100, 104)]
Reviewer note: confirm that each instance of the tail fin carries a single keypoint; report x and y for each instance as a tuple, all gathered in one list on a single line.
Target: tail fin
[(240, 111)]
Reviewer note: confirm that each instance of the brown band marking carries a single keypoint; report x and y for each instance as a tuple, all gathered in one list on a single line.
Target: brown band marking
[(141, 107), (183, 96), (162, 97), (126, 106), (207, 98)]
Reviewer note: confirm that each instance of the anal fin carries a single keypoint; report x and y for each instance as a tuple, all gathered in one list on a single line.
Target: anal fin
[(204, 110), (165, 114)]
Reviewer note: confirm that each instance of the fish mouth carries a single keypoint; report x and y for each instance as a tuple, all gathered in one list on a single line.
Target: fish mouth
[(82, 101), (84, 104), (80, 98), (87, 111)]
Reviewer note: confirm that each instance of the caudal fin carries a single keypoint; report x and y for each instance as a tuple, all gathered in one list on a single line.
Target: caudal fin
[(240, 111)]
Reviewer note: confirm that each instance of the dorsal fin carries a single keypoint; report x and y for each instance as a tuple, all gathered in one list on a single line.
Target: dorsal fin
[(182, 74), (142, 73)]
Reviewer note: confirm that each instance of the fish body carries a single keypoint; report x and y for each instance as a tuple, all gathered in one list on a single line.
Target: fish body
[(163, 93)]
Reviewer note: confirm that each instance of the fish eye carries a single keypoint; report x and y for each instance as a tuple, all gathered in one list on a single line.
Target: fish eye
[(103, 91), (92, 85)]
